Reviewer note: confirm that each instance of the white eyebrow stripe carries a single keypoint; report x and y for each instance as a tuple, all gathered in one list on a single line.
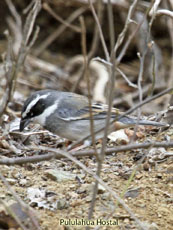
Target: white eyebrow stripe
[(32, 103)]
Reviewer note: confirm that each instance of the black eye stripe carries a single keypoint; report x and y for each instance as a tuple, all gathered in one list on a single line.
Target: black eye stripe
[(37, 109)]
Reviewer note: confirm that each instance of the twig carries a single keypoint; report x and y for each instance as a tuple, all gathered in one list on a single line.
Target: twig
[(59, 31), (140, 78), (126, 79), (112, 79), (127, 43), (142, 62), (125, 188), (154, 8), (45, 66), (14, 66), (153, 13), (128, 21), (28, 8), (58, 18), (164, 12), (121, 38), (111, 83), (94, 45), (135, 95), (114, 49), (170, 78), (23, 206), (83, 153), (12, 213), (118, 70), (86, 74), (9, 71), (29, 24), (14, 13), (95, 40), (100, 31)]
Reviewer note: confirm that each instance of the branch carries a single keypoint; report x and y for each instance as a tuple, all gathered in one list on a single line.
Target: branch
[(59, 31), (12, 66), (83, 153), (165, 12)]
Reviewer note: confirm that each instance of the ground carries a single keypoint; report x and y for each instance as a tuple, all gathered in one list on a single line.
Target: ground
[(148, 194)]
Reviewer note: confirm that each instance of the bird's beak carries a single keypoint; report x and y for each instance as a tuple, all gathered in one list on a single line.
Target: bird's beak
[(24, 123)]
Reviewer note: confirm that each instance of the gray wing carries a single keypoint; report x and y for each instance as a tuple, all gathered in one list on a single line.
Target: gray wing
[(75, 107), (71, 106)]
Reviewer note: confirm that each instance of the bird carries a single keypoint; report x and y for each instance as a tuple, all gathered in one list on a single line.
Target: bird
[(67, 115)]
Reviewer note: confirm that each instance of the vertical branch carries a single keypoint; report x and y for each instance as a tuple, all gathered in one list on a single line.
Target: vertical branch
[(59, 31), (169, 99), (95, 41), (112, 77), (9, 68), (94, 45), (12, 65), (25, 45), (112, 58), (111, 25), (100, 31), (86, 74), (112, 80), (114, 63), (149, 44)]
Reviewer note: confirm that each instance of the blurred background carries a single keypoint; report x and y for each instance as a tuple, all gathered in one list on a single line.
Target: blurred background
[(55, 60)]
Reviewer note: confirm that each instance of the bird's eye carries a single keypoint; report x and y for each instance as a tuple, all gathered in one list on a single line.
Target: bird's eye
[(38, 108), (29, 115)]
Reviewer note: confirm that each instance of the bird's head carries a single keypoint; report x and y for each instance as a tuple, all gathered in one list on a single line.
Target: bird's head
[(37, 108)]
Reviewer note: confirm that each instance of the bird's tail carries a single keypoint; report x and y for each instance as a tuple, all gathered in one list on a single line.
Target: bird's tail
[(133, 121)]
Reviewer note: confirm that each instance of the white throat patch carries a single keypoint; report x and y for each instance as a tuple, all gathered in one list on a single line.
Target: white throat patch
[(32, 103)]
